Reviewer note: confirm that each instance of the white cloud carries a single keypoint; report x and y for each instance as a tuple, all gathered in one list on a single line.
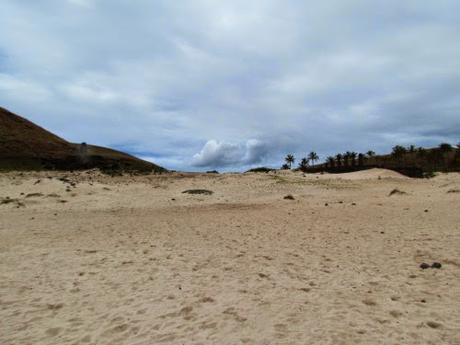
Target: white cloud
[(221, 154)]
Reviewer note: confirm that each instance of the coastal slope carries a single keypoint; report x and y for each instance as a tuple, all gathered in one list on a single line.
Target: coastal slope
[(27, 146)]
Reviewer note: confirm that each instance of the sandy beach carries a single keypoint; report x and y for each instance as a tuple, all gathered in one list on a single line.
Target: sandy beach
[(90, 259)]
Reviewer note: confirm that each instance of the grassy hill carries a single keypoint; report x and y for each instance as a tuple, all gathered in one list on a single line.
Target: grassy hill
[(26, 146)]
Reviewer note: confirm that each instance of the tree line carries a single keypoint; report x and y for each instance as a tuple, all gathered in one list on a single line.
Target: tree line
[(399, 155), (349, 158)]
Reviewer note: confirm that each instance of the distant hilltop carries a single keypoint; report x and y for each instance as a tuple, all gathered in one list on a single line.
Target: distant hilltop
[(26, 146)]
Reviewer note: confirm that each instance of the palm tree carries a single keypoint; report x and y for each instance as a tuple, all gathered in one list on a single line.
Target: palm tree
[(353, 158), (398, 151), (346, 158), (330, 161), (303, 165), (361, 158), (290, 159), (370, 153), (313, 157), (445, 147), (338, 158)]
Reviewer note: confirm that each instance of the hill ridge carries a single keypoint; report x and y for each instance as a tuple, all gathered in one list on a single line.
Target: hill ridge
[(25, 145)]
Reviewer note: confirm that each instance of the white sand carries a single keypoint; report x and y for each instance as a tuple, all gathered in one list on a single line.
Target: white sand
[(117, 261)]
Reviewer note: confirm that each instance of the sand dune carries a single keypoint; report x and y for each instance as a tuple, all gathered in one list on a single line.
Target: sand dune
[(372, 174), (86, 259)]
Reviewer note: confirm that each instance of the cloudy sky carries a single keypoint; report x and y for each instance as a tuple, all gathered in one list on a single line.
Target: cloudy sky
[(201, 84)]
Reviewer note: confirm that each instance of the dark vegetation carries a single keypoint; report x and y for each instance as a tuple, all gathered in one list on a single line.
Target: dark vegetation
[(260, 170), (453, 191), (396, 191), (26, 146), (8, 200), (198, 191), (411, 161)]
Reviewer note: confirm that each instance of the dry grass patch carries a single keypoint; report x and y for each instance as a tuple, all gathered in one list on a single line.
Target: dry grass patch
[(396, 191)]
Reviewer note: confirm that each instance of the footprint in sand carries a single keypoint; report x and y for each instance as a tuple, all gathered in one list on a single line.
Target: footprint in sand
[(369, 302), (231, 311), (395, 313), (56, 306), (86, 339), (281, 330), (53, 331)]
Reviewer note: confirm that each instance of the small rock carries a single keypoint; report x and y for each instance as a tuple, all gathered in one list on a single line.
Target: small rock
[(436, 265), (289, 197), (433, 324), (424, 266)]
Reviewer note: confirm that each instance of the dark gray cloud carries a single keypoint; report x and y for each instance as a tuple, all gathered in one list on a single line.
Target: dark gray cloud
[(162, 78)]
